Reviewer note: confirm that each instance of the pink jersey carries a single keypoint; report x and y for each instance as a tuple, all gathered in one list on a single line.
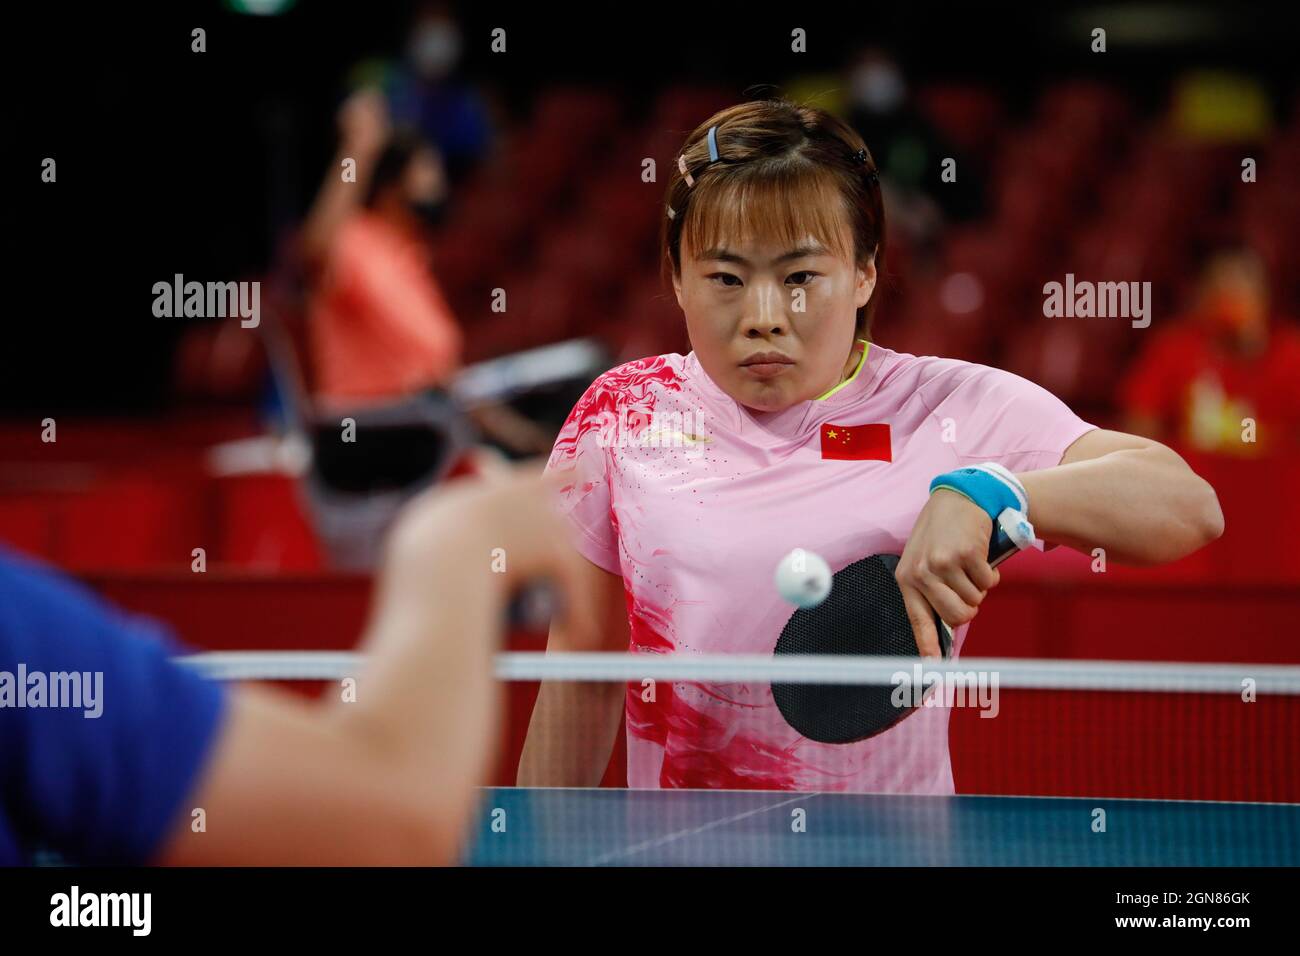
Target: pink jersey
[(692, 499)]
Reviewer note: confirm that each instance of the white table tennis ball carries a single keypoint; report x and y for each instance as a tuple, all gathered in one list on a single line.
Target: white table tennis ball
[(803, 578)]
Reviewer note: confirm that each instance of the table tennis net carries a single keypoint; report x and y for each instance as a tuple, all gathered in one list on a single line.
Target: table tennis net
[(1167, 731)]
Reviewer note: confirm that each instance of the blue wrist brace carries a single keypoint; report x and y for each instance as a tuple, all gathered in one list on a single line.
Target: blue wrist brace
[(988, 485)]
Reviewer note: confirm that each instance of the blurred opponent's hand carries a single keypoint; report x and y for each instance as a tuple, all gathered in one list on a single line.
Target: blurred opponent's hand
[(454, 530)]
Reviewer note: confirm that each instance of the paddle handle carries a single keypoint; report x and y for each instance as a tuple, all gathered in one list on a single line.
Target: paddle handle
[(1012, 532)]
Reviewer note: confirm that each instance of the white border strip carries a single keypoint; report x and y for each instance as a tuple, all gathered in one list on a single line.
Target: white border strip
[(788, 669)]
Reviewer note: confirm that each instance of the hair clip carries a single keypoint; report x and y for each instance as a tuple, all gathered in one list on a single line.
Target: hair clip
[(681, 164), (671, 213), (860, 157)]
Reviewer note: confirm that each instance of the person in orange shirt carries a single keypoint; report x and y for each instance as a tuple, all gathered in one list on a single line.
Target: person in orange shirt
[(1226, 379), (381, 328)]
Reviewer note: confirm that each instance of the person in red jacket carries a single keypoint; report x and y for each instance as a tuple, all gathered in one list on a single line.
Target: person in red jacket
[(1226, 378)]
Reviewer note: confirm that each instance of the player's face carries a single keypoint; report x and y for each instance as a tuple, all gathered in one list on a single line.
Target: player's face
[(754, 297)]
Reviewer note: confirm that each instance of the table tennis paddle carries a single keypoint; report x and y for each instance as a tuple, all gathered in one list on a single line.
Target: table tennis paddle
[(863, 615)]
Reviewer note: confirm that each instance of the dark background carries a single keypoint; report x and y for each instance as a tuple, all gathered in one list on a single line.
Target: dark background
[(170, 161)]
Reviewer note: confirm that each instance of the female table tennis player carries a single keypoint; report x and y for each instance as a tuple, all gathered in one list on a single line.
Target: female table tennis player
[(774, 232)]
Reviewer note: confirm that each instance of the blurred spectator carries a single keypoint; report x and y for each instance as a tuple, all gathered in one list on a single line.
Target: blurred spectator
[(380, 326), (909, 151), (385, 345), (425, 92), (1230, 359)]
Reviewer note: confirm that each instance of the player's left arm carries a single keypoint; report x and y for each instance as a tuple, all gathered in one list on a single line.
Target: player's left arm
[(1133, 497)]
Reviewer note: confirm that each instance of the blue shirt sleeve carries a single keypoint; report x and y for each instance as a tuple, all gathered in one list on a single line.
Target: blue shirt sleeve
[(100, 779)]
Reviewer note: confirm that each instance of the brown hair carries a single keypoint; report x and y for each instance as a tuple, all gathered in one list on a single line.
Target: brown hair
[(783, 170)]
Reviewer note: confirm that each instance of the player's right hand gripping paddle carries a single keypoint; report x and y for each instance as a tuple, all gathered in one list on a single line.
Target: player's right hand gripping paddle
[(865, 615)]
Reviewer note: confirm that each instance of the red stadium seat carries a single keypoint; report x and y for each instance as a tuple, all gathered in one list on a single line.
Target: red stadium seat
[(1075, 359), (136, 520), (1005, 263), (261, 524), (968, 115), (581, 115), (938, 317), (620, 203), (29, 523), (648, 322), (594, 255), (1084, 112), (680, 109)]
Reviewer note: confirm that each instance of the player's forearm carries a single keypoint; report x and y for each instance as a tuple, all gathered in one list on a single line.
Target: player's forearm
[(1141, 505), (387, 777), (571, 735), (427, 698), (283, 786)]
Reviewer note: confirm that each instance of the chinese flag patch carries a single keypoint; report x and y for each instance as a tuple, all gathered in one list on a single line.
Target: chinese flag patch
[(856, 443)]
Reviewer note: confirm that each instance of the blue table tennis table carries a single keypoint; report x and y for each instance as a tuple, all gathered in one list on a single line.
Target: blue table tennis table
[(608, 827)]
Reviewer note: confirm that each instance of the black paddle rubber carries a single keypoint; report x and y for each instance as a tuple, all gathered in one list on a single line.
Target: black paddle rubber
[(864, 615)]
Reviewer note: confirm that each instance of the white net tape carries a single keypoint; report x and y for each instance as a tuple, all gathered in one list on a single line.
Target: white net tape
[(789, 669)]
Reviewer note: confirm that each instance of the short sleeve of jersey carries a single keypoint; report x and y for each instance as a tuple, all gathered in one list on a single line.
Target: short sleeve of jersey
[(581, 456), (102, 781), (1004, 418)]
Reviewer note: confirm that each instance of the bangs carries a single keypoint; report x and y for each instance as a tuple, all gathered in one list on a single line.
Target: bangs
[(785, 205)]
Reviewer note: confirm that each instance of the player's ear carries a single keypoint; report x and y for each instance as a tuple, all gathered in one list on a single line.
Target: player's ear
[(866, 282), (677, 290)]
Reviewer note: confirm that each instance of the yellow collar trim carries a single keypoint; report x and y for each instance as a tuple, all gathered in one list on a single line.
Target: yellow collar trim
[(861, 364)]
